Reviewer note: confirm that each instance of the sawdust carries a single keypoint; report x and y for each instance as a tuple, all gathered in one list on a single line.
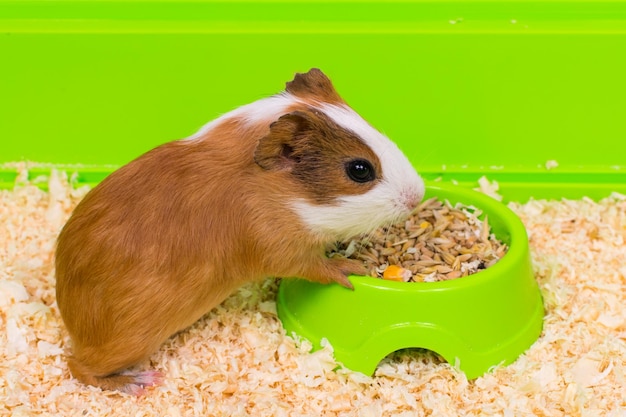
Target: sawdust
[(237, 361)]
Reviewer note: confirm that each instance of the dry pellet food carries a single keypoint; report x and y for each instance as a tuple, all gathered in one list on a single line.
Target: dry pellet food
[(438, 242)]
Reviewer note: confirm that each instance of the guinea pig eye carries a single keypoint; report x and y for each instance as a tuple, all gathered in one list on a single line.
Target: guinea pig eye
[(360, 170)]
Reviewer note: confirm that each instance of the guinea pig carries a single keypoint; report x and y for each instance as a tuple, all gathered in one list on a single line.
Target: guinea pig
[(262, 191)]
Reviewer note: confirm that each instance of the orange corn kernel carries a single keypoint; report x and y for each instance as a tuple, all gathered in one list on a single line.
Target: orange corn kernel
[(396, 273)]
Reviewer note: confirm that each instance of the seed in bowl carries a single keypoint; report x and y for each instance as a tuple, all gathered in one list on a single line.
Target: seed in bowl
[(438, 242), (397, 273)]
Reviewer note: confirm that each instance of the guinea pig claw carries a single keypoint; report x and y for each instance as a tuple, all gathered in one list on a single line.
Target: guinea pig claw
[(141, 381), (344, 268), (345, 282)]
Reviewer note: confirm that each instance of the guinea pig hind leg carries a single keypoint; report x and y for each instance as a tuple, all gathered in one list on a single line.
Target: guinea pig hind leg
[(130, 382)]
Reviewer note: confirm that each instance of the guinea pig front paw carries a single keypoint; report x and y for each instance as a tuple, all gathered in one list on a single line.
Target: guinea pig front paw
[(342, 268), (329, 270), (349, 266)]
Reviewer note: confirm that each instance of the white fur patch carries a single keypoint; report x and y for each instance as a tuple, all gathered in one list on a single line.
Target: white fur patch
[(384, 204), (351, 215), (269, 108)]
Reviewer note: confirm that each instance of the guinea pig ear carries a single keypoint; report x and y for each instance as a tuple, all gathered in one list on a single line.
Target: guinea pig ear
[(314, 84), (276, 150)]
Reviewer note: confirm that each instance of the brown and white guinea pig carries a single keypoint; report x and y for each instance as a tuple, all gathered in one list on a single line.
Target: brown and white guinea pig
[(261, 191)]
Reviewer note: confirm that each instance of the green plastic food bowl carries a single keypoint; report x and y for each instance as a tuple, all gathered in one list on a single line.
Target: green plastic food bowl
[(475, 323)]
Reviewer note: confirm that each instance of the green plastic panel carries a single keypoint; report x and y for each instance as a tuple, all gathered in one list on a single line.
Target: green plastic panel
[(466, 88)]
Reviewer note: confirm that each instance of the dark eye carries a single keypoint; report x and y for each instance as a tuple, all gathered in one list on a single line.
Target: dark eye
[(360, 170)]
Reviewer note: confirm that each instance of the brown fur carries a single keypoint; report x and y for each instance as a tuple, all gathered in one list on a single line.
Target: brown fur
[(167, 237), (315, 151)]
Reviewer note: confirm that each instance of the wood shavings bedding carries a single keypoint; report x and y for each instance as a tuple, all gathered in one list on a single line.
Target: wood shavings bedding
[(237, 361)]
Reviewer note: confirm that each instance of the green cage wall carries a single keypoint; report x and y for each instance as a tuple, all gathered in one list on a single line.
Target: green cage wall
[(466, 88)]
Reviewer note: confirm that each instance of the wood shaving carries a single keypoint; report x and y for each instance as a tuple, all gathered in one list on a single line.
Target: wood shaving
[(438, 242), (551, 164), (237, 360), (489, 188)]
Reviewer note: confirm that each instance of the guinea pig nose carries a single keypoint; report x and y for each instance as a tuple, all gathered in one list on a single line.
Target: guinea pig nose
[(413, 203), (411, 200)]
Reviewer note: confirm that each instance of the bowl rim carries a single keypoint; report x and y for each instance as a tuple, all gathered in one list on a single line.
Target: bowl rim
[(488, 206)]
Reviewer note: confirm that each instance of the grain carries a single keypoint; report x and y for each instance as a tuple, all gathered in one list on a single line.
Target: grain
[(439, 242)]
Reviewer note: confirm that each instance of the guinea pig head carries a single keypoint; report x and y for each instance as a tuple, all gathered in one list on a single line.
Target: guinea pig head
[(351, 178)]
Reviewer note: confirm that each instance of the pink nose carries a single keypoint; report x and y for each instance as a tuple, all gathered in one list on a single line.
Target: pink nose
[(412, 200)]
